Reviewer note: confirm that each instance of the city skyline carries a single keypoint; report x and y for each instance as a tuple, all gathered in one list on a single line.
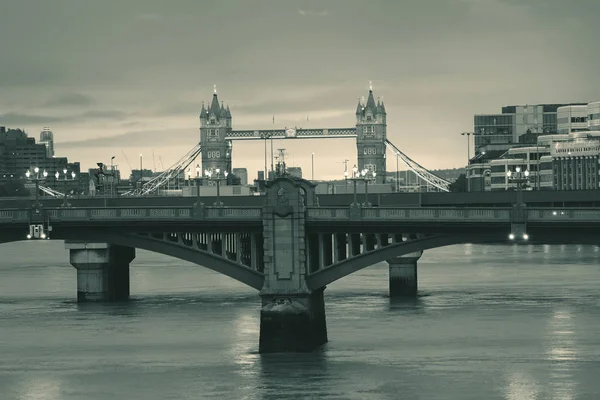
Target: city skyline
[(139, 87)]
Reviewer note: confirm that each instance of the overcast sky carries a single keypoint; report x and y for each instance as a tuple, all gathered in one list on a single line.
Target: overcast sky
[(124, 77)]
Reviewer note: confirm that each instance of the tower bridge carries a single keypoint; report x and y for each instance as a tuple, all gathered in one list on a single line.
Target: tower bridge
[(217, 136)]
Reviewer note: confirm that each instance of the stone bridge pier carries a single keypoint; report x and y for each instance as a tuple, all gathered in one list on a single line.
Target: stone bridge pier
[(292, 317), (403, 275), (102, 270)]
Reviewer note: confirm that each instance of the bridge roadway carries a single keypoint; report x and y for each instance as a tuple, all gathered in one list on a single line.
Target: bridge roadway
[(550, 198), (290, 246)]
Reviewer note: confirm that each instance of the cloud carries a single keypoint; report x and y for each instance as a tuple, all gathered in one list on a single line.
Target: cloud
[(115, 115), (162, 137), (16, 119), (313, 13), (69, 99), (148, 17)]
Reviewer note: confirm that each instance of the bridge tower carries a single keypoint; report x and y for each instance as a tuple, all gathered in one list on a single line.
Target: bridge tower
[(371, 136), (215, 125)]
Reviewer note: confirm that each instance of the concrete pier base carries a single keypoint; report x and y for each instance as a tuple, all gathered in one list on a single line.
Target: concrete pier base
[(292, 323), (102, 270), (403, 275)]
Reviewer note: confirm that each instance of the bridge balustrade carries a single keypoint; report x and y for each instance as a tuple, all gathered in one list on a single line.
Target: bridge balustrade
[(562, 214), (423, 214)]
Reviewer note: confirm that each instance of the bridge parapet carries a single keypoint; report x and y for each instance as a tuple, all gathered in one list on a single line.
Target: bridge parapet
[(407, 213), (138, 213), (563, 214)]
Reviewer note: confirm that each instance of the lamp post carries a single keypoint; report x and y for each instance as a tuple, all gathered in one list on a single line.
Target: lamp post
[(354, 179), (66, 178), (198, 183), (35, 177), (367, 179), (519, 177), (468, 159), (141, 171), (360, 176), (397, 173), (218, 178)]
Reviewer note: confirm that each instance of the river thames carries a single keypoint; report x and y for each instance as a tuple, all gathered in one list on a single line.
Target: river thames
[(490, 322)]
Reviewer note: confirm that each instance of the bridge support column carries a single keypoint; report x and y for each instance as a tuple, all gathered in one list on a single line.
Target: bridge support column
[(102, 270), (292, 317), (292, 322), (403, 275)]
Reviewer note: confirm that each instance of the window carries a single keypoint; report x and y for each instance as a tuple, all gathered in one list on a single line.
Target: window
[(369, 129), (212, 120), (369, 117), (213, 154), (370, 151)]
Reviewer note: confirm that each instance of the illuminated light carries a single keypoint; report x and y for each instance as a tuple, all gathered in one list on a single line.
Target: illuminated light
[(43, 236), (511, 236), (28, 236), (554, 213), (526, 172), (525, 236), (518, 169)]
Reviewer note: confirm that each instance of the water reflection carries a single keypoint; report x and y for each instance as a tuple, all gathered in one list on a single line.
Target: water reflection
[(297, 375), (522, 386), (562, 352), (41, 388)]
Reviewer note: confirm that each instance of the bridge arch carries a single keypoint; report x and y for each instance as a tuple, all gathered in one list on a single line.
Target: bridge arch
[(177, 249), (330, 274)]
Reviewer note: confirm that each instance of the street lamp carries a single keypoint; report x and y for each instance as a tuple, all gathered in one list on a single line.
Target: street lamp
[(66, 178), (198, 169), (217, 178), (360, 176), (141, 171), (519, 177), (35, 177), (468, 159)]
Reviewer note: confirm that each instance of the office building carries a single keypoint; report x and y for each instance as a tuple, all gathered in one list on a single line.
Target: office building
[(571, 119), (241, 173), (19, 153), (294, 171), (515, 125), (47, 139)]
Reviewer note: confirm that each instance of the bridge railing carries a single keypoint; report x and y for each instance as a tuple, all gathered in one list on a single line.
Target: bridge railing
[(138, 213), (449, 214), (563, 214), (408, 213)]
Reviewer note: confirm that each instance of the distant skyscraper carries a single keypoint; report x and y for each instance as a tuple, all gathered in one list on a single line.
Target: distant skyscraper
[(241, 173), (295, 171), (47, 139)]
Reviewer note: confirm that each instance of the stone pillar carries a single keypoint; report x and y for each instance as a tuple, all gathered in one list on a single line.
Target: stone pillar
[(295, 323), (403, 275), (292, 317), (102, 270)]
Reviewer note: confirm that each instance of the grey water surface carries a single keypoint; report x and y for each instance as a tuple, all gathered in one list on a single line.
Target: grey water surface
[(490, 322)]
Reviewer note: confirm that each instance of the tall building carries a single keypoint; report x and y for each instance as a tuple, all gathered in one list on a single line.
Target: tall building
[(47, 139), (241, 173), (516, 124), (571, 119), (371, 134), (215, 125), (566, 161), (20, 153), (294, 171)]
